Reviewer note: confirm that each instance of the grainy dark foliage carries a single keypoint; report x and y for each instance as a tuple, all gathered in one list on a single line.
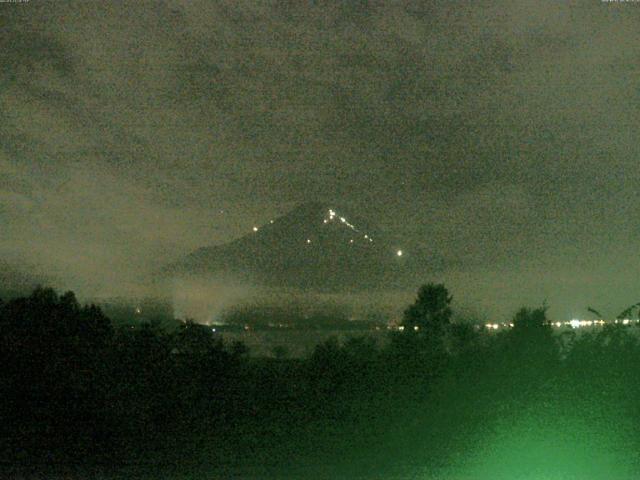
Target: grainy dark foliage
[(79, 394)]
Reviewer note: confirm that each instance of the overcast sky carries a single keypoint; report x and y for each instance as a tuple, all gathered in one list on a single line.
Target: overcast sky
[(500, 136)]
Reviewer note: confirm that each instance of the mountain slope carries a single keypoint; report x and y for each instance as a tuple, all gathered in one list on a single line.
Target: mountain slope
[(313, 247)]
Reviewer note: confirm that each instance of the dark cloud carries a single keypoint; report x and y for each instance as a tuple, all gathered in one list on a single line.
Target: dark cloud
[(500, 136)]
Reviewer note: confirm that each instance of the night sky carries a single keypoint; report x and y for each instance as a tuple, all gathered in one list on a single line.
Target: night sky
[(499, 137)]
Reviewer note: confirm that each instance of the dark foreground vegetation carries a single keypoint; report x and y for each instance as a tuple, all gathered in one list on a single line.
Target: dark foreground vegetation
[(82, 399)]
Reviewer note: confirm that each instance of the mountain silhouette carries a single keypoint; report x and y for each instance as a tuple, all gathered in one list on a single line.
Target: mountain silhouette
[(313, 247)]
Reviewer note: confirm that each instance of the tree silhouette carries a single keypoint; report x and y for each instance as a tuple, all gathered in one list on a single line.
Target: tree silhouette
[(430, 314), (531, 319), (627, 312), (533, 350), (420, 350)]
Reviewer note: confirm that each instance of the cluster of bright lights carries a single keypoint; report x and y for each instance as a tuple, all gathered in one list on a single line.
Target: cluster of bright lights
[(574, 323), (333, 216), (496, 326)]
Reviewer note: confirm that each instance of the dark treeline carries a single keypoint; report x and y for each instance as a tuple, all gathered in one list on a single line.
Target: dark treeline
[(438, 396)]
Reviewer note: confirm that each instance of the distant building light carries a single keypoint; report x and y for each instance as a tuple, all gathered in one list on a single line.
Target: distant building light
[(416, 328), (401, 328), (213, 329), (351, 241), (255, 229), (308, 240), (270, 221), (574, 323), (399, 253)]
